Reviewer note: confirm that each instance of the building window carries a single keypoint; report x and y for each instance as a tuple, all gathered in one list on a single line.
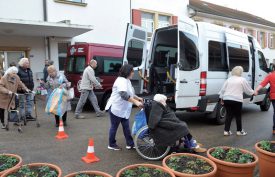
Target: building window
[(250, 32), (164, 21), (261, 39), (271, 41), (236, 28), (147, 21)]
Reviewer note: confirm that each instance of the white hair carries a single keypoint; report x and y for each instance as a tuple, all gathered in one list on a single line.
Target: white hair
[(12, 69), (22, 61), (237, 71), (160, 98)]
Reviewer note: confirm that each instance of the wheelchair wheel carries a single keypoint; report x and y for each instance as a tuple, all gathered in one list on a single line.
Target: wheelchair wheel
[(146, 147)]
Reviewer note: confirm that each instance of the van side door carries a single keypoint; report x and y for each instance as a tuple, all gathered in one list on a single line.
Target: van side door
[(238, 55), (135, 48), (188, 70)]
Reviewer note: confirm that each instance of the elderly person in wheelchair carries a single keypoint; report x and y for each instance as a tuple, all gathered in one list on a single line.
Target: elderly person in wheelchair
[(164, 132), (166, 129)]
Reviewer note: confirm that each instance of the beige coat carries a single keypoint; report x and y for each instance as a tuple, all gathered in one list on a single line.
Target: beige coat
[(9, 83)]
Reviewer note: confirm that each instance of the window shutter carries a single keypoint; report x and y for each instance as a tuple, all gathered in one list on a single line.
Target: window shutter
[(174, 20), (136, 17)]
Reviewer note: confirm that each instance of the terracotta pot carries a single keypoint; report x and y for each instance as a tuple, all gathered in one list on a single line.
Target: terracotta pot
[(211, 174), (229, 169), (59, 171), (266, 162), (146, 165), (89, 173), (17, 165)]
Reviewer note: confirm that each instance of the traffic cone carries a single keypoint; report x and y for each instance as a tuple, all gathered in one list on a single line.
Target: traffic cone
[(90, 157), (61, 133)]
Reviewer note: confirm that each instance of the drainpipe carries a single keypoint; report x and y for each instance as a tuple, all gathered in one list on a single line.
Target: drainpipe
[(45, 12)]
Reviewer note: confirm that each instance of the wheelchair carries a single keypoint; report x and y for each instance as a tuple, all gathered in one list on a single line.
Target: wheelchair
[(144, 143)]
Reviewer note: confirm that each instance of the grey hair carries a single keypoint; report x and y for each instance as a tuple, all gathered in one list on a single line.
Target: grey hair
[(22, 61), (237, 71), (92, 61), (12, 69), (160, 97)]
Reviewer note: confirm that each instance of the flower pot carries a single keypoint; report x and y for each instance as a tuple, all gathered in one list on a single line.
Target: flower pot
[(229, 169), (119, 173), (89, 173), (266, 161), (59, 171), (18, 164), (180, 174)]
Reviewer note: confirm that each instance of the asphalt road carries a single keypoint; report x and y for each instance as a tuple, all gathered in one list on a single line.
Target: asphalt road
[(39, 144)]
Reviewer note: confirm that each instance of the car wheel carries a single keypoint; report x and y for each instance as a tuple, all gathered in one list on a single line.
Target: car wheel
[(221, 114), (265, 105)]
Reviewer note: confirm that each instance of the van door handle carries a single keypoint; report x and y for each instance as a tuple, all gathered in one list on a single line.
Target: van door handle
[(183, 81), (260, 75)]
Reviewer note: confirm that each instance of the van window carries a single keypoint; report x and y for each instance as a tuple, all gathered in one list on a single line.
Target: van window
[(238, 56), (165, 56), (217, 56), (189, 55), (76, 64), (134, 53), (262, 62), (107, 65)]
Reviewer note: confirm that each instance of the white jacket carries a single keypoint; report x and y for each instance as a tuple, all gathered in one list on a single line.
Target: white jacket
[(88, 80), (234, 87)]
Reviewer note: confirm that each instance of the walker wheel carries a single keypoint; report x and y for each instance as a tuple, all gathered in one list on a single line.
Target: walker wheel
[(20, 130)]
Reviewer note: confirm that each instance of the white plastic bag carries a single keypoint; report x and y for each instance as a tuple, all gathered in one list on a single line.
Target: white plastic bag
[(71, 93)]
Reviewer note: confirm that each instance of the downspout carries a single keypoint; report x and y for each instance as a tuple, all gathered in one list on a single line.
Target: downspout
[(46, 39)]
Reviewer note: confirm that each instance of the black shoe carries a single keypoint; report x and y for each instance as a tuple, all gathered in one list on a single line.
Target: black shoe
[(65, 124), (30, 118)]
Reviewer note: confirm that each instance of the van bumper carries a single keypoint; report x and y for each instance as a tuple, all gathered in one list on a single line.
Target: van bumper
[(202, 104)]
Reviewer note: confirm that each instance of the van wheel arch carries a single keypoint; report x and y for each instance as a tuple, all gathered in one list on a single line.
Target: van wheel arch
[(220, 113)]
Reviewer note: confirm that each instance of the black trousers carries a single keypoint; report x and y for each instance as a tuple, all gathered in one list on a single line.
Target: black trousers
[(2, 115), (233, 109), (64, 118)]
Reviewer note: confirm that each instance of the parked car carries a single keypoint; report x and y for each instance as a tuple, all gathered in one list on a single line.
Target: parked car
[(109, 61)]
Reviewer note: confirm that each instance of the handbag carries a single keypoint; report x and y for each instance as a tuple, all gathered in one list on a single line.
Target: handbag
[(71, 93)]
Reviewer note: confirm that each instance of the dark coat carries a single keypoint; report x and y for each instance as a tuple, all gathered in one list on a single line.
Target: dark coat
[(26, 77), (45, 73), (165, 128)]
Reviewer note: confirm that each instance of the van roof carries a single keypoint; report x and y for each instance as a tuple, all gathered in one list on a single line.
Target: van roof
[(98, 45)]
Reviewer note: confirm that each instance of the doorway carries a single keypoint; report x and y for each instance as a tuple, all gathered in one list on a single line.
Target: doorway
[(9, 57)]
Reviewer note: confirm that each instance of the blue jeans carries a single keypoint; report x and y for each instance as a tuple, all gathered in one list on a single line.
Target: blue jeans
[(26, 109), (115, 121), (273, 103)]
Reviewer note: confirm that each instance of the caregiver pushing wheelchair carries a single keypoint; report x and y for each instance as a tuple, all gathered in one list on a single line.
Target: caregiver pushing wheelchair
[(163, 133)]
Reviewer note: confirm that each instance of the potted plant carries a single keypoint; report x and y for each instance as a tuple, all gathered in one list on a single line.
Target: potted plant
[(189, 165), (34, 170), (8, 162), (266, 154), (88, 174), (144, 170), (233, 162)]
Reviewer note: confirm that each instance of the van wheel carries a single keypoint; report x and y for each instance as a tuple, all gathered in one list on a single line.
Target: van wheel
[(221, 114), (265, 105), (105, 100)]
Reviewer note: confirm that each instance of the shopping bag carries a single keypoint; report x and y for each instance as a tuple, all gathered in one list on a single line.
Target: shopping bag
[(13, 116), (57, 102), (140, 121), (71, 93)]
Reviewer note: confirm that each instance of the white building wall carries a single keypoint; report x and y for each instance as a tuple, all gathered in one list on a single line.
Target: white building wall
[(176, 7), (109, 19), (22, 9)]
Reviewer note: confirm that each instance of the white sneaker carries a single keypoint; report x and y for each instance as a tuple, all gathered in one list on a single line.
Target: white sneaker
[(3, 126), (241, 133), (130, 147), (227, 133)]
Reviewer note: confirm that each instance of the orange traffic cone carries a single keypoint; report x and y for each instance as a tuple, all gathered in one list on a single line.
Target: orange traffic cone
[(90, 157), (61, 133)]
